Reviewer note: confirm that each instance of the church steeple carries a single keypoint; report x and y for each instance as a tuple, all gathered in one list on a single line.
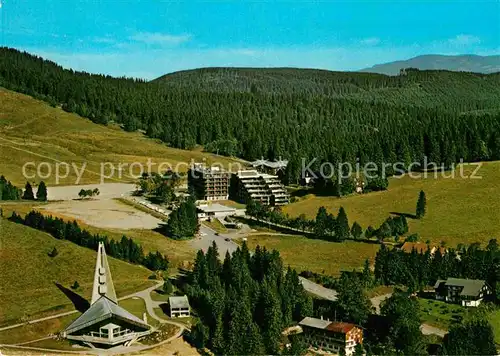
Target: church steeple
[(103, 284)]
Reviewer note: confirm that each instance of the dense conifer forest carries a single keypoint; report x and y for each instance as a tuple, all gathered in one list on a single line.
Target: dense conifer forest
[(292, 113), (417, 270), (245, 302)]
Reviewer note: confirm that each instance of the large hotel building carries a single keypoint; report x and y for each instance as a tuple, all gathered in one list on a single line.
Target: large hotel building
[(208, 183)]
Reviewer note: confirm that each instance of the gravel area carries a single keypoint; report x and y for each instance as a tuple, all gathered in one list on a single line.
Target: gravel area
[(101, 211)]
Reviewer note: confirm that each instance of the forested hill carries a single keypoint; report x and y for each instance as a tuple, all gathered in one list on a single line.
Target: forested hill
[(291, 113), (420, 88)]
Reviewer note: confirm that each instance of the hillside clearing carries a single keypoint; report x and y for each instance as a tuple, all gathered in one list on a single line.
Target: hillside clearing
[(32, 276), (459, 210), (178, 252), (33, 131)]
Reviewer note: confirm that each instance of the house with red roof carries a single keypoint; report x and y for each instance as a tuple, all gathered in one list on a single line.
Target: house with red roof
[(331, 336)]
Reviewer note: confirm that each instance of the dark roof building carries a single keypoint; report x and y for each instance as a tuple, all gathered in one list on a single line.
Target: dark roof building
[(468, 292), (272, 167)]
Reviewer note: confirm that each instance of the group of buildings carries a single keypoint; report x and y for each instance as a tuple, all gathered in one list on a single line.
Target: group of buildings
[(342, 338), (261, 183)]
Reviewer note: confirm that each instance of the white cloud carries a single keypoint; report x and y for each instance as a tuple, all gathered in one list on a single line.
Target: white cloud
[(160, 38), (464, 40), (371, 41), (103, 40)]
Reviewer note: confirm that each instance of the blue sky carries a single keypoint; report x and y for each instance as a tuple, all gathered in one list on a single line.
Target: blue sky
[(149, 38)]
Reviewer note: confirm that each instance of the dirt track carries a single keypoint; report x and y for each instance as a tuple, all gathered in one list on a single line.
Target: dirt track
[(101, 211), (107, 191)]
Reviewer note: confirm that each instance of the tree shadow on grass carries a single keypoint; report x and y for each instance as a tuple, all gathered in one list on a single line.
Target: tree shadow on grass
[(406, 215), (81, 304), (165, 308)]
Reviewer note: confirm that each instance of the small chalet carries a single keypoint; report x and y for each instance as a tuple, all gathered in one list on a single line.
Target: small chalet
[(467, 292), (179, 306), (331, 336)]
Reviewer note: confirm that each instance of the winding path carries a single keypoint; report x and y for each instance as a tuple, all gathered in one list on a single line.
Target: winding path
[(150, 305)]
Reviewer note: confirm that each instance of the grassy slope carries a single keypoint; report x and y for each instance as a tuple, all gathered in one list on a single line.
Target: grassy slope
[(316, 255), (30, 332), (458, 210), (438, 313), (494, 319), (28, 274), (178, 252), (31, 130)]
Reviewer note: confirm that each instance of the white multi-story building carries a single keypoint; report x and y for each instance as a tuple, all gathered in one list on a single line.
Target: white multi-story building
[(262, 187)]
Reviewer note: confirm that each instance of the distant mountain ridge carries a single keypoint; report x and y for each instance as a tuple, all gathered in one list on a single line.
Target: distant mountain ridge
[(460, 63)]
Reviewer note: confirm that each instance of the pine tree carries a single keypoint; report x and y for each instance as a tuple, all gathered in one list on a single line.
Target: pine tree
[(421, 205), (167, 287), (342, 230), (402, 314), (321, 222), (474, 337), (356, 230), (28, 192), (352, 300), (41, 193), (367, 274)]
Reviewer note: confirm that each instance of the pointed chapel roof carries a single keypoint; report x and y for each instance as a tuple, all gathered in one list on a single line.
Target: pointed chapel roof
[(103, 284), (104, 303), (102, 310)]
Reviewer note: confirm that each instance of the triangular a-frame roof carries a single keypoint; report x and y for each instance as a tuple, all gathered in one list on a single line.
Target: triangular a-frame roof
[(104, 304), (101, 310)]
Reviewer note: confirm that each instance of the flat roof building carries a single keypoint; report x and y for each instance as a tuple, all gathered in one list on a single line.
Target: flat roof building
[(208, 183), (214, 210), (266, 166), (252, 185), (105, 323), (179, 306)]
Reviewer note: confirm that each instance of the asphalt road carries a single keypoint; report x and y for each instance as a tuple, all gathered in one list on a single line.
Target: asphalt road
[(318, 290), (208, 236)]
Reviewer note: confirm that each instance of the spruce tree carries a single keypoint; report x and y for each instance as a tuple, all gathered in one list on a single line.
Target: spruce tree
[(28, 192), (356, 230), (41, 193), (167, 287), (421, 205), (342, 230)]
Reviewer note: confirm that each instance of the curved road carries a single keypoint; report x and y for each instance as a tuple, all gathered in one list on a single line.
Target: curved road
[(330, 294), (150, 305)]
